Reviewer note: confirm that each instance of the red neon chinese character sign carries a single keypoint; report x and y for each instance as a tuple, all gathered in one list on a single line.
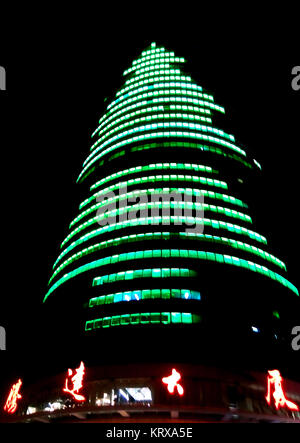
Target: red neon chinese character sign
[(275, 379), (172, 380), (13, 397), (77, 382)]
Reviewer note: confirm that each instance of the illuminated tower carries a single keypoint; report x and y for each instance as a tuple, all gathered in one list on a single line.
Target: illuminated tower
[(183, 276)]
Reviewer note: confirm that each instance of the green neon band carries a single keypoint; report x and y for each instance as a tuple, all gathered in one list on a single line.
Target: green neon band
[(146, 318), (164, 236), (144, 294), (183, 253)]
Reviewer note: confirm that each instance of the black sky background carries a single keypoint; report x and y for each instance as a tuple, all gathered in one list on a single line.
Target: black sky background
[(60, 69)]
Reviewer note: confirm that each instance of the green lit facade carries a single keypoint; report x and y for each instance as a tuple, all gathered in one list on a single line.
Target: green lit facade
[(146, 272)]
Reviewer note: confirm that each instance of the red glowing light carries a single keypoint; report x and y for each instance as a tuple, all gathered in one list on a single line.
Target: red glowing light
[(275, 380), (77, 382), (13, 397), (172, 380)]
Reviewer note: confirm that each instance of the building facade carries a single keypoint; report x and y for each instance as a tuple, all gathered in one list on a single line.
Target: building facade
[(163, 259)]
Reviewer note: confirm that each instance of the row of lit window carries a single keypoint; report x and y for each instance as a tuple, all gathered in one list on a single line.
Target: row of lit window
[(146, 318), (151, 76), (160, 61), (162, 134), (165, 191), (153, 56), (192, 192), (121, 186), (151, 126), (173, 86), (181, 208), (148, 109), (163, 116), (150, 117), (130, 211), (144, 294), (151, 167), (179, 253), (165, 236), (178, 81), (163, 125), (170, 220), (185, 144), (185, 93), (144, 273), (153, 51)]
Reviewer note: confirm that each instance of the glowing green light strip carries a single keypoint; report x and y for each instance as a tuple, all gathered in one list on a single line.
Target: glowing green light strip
[(172, 87), (167, 253), (179, 93), (153, 77), (105, 132), (152, 167), (144, 294), (139, 109), (159, 205), (173, 123), (114, 213), (178, 82), (162, 134), (147, 273), (158, 60), (146, 318), (193, 192), (164, 236)]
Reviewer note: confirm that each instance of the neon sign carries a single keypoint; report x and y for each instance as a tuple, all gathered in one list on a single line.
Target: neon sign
[(172, 382), (275, 381), (13, 397), (77, 382)]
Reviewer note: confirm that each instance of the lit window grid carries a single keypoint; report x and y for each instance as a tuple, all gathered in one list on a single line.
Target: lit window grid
[(164, 125), (216, 240), (133, 274), (152, 76), (161, 205), (153, 60), (153, 51), (159, 178), (144, 294), (146, 318), (164, 205), (175, 122), (172, 86), (145, 58), (154, 166), (153, 117), (185, 144), (162, 191), (193, 192), (162, 99), (176, 81), (155, 135), (172, 253), (159, 61), (145, 108), (184, 94), (176, 220)]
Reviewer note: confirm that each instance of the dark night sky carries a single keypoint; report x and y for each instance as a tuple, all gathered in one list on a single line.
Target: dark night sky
[(58, 73)]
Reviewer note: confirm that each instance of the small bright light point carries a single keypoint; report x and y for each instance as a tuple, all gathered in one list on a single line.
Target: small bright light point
[(186, 295), (255, 329)]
